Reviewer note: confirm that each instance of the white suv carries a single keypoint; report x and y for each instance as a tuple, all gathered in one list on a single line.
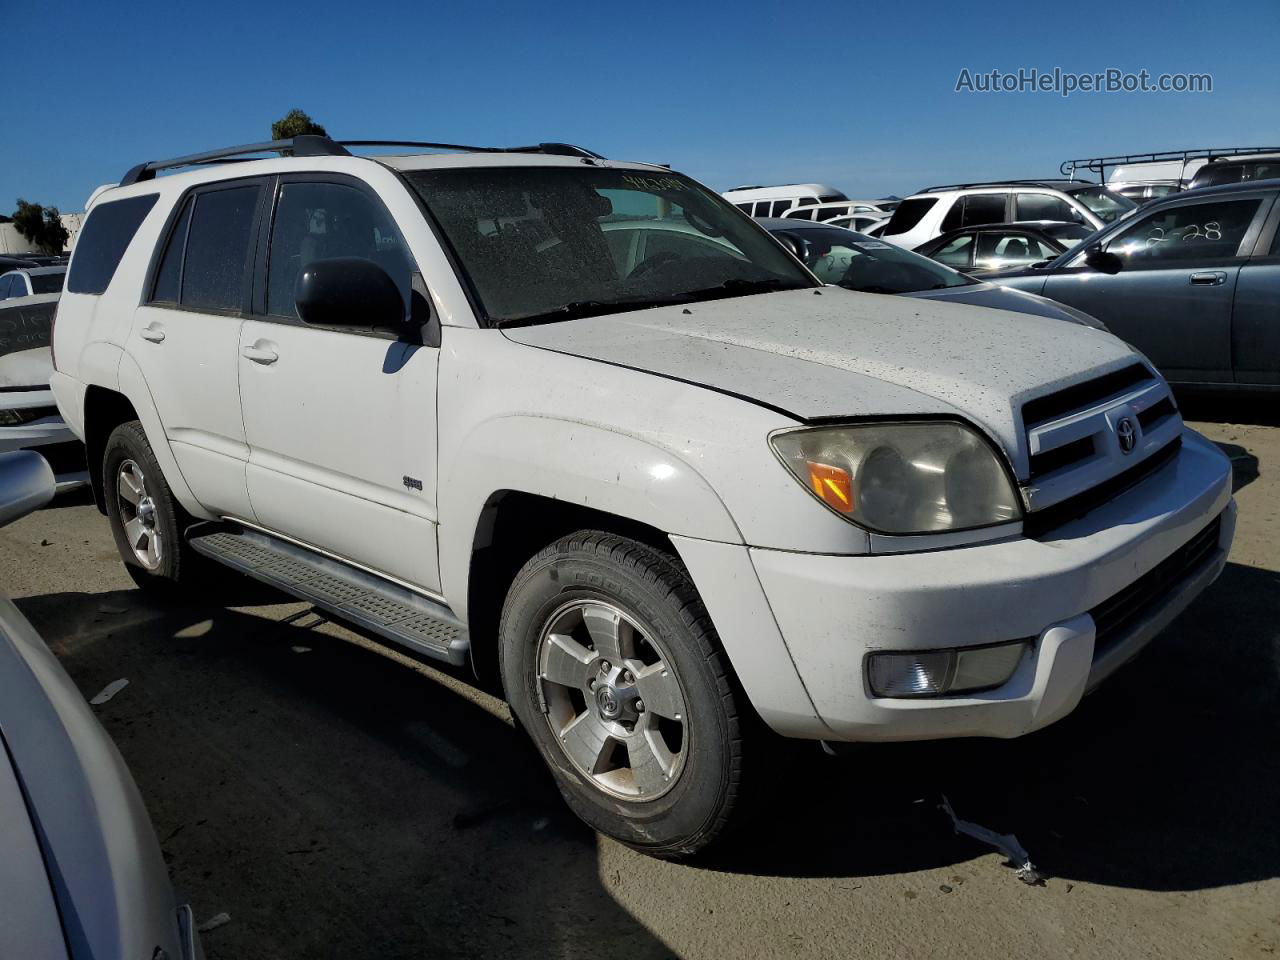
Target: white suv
[(587, 427), (938, 210)]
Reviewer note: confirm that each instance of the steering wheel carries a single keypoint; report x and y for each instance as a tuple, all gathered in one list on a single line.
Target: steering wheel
[(649, 264)]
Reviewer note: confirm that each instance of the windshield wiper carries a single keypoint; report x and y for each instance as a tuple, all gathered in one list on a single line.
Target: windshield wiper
[(576, 309), (737, 287)]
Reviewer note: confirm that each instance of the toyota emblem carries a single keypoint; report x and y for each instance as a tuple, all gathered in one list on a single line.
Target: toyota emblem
[(1127, 434)]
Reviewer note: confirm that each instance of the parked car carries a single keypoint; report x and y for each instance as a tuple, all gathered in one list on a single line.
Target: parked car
[(1193, 281), (81, 874), (859, 222), (826, 212), (757, 201), (858, 262), (31, 281), (1003, 246), (1223, 170), (660, 502), (873, 230), (938, 210), (29, 417)]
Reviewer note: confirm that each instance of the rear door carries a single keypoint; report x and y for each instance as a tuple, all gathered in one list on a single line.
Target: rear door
[(1172, 299), (186, 333), (1255, 326), (340, 421)]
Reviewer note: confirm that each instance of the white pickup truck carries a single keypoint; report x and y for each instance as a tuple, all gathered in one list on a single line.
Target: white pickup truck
[(587, 427)]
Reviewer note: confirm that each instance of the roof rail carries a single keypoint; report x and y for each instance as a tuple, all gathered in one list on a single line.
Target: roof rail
[(993, 183), (304, 145), (310, 145), (1099, 165)]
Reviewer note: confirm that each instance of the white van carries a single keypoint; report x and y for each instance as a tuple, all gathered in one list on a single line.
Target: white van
[(757, 201)]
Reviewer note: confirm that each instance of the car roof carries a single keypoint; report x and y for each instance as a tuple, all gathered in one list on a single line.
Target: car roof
[(1052, 184), (42, 271), (1227, 188)]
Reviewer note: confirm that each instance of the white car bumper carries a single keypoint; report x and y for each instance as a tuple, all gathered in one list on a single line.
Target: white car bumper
[(1129, 566), (47, 434)]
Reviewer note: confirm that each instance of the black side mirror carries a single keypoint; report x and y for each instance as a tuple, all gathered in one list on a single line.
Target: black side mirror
[(348, 292), (792, 243), (1103, 261)]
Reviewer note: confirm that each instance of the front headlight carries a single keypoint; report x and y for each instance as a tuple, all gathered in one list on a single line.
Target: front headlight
[(902, 478)]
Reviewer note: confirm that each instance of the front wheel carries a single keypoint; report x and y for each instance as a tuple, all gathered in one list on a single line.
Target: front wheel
[(611, 664)]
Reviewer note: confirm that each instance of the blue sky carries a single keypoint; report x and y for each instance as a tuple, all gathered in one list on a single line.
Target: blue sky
[(857, 95)]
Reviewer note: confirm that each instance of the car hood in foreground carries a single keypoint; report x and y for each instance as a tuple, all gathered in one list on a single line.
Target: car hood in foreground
[(829, 352), (1007, 298)]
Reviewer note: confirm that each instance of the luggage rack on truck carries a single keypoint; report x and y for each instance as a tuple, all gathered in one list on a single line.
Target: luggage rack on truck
[(1099, 165)]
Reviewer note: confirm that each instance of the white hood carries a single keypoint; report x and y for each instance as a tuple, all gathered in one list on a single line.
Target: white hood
[(26, 368), (816, 354)]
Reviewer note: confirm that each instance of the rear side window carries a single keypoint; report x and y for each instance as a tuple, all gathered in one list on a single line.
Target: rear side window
[(980, 208), (908, 214), (105, 237), (219, 249), (46, 283), (1043, 206), (169, 276)]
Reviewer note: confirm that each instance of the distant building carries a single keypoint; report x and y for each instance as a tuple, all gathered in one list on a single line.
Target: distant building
[(12, 242)]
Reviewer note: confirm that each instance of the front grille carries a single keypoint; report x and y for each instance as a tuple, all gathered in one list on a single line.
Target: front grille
[(1042, 409), (67, 457), (16, 418), (1114, 614), (1043, 522)]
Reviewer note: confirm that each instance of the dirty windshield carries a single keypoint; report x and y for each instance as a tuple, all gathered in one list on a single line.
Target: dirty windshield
[(554, 243)]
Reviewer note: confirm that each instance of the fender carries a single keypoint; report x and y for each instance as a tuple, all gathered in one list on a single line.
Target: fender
[(575, 462), (134, 387)]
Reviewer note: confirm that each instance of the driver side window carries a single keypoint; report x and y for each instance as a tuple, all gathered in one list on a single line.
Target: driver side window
[(1193, 231)]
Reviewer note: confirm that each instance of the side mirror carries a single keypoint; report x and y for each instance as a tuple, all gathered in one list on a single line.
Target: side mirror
[(26, 484), (1103, 261), (348, 292), (792, 243)]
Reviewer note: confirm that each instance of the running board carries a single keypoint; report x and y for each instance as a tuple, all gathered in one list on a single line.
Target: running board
[(367, 600)]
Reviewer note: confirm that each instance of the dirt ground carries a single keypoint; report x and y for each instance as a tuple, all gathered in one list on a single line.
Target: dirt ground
[(340, 800)]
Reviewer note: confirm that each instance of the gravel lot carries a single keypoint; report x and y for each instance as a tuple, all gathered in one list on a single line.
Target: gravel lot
[(338, 799)]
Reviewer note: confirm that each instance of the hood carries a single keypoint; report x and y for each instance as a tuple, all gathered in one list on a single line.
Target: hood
[(832, 353), (1007, 298)]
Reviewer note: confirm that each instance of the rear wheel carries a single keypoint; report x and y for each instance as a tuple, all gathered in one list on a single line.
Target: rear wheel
[(611, 664), (146, 521)]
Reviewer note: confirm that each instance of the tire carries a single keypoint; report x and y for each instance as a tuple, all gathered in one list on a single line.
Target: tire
[(148, 533), (662, 777)]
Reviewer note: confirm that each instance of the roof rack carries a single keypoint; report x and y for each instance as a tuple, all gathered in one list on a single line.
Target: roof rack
[(311, 145), (993, 183), (1099, 165)]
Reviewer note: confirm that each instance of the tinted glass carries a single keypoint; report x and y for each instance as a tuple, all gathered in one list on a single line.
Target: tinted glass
[(103, 240), (321, 221), (857, 262), (957, 252), (1198, 231), (980, 208), (954, 217), (6, 287), (908, 214), (532, 240), (781, 206), (217, 260), (1043, 206), (1067, 234), (46, 283), (1214, 175), (999, 250), (169, 276)]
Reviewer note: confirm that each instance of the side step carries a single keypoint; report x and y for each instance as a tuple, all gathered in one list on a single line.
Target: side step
[(377, 605)]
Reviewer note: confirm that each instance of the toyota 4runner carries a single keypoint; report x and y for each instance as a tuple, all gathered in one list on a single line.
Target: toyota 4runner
[(587, 427)]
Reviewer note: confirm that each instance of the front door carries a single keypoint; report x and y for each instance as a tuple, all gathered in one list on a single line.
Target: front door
[(341, 422), (186, 334), (1172, 297)]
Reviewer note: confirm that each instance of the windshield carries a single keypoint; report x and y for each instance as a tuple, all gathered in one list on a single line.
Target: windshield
[(554, 243), (858, 262), (47, 282), (1105, 205)]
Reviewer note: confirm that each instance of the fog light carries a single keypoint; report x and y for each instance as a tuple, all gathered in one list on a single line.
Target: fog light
[(932, 673)]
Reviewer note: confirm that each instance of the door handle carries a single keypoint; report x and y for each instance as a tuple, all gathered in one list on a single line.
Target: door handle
[(152, 332), (1212, 278), (261, 352)]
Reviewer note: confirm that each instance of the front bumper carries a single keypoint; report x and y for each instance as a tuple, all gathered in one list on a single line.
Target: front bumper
[(832, 611), (48, 435)]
